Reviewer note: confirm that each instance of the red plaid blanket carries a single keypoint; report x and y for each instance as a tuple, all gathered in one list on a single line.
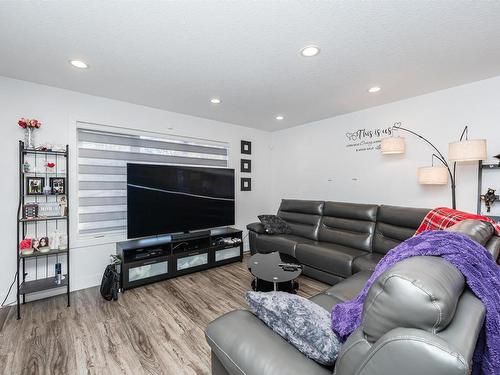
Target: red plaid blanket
[(444, 217)]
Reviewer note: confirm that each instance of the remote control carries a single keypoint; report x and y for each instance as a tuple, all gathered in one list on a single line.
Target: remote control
[(290, 265), (288, 268)]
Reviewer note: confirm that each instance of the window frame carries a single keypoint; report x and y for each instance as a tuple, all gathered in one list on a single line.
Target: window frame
[(81, 240)]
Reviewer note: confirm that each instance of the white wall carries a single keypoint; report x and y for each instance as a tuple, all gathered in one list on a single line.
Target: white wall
[(313, 162), (307, 162), (58, 109)]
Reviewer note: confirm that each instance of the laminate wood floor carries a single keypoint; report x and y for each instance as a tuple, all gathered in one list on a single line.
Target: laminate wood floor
[(155, 329)]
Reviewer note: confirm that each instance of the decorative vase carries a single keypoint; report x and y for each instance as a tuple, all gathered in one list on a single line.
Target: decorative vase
[(55, 240), (29, 138), (63, 242)]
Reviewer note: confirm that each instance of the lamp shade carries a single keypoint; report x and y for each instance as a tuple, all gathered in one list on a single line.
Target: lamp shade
[(392, 145), (469, 150), (432, 175)]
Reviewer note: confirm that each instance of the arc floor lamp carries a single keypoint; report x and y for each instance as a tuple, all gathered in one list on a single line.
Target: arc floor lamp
[(462, 150)]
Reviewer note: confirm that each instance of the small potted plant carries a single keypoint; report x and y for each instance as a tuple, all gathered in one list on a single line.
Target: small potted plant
[(29, 126)]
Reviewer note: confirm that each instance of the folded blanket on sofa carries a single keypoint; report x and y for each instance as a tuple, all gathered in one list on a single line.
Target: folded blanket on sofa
[(444, 217), (482, 276)]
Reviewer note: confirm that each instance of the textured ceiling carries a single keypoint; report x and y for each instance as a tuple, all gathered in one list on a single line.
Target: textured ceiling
[(176, 55)]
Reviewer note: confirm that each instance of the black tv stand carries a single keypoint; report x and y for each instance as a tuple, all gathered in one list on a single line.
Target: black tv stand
[(153, 259)]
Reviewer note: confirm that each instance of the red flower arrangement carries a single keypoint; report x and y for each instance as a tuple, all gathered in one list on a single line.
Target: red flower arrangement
[(51, 165), (27, 123), (25, 244)]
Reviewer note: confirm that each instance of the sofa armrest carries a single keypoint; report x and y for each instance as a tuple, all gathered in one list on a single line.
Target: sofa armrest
[(257, 228), (245, 345), (412, 352)]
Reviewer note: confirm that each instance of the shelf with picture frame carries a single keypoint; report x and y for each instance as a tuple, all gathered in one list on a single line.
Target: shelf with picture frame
[(482, 167), (41, 185), (43, 223)]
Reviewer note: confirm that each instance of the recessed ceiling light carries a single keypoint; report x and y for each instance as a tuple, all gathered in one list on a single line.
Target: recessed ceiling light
[(78, 64), (374, 89), (279, 118), (215, 101), (309, 51)]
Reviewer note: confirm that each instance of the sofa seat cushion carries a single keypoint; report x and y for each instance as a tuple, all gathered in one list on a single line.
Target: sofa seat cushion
[(349, 288), (328, 257), (366, 262), (326, 277), (325, 301), (284, 243), (246, 346)]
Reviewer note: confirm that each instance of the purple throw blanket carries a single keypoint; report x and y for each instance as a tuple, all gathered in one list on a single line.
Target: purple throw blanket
[(482, 276)]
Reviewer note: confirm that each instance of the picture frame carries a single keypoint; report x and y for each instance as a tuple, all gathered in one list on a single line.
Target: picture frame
[(63, 205), (246, 147), (35, 244), (246, 166), (43, 244), (246, 184), (34, 185), (30, 211), (58, 185)]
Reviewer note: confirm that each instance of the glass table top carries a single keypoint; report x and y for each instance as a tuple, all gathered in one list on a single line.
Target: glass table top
[(266, 267)]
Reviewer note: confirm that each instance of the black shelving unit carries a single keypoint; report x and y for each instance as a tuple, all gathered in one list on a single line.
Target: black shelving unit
[(33, 227), (483, 167)]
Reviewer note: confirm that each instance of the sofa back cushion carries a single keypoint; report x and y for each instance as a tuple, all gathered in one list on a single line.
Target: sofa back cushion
[(394, 225), (302, 216), (493, 246), (479, 231), (348, 224)]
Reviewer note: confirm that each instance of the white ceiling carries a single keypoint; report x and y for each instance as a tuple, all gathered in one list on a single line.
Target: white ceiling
[(177, 55)]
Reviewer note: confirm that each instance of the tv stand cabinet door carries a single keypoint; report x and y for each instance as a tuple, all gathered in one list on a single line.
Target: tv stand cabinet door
[(145, 271), (191, 261), (228, 255)]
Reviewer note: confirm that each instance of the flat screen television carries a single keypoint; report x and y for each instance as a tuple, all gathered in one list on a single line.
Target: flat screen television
[(164, 199)]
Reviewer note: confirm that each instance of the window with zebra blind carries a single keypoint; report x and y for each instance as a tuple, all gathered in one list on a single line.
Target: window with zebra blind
[(102, 169)]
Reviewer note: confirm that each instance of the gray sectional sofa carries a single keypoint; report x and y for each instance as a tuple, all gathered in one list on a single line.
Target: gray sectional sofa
[(334, 240), (419, 316)]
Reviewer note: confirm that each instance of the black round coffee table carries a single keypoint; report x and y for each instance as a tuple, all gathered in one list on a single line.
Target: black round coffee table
[(269, 276)]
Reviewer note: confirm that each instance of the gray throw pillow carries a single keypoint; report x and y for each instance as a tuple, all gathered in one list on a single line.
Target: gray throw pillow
[(274, 224), (302, 323)]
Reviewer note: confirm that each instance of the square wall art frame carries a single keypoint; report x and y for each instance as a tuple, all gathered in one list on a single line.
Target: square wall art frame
[(246, 166), (246, 184), (246, 147)]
